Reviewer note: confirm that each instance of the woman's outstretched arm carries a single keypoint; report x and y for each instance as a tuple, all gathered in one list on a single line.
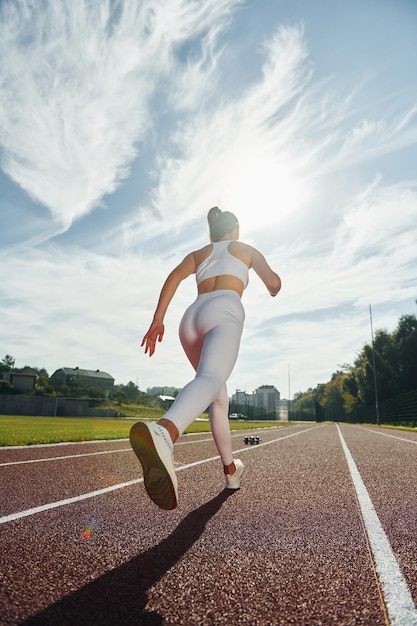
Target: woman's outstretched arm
[(156, 329)]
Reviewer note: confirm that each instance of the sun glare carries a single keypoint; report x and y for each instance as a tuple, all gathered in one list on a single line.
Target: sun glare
[(260, 188)]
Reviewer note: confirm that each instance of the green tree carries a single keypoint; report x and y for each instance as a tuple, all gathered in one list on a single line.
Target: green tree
[(131, 393), (96, 394), (120, 397), (131, 390), (43, 385), (349, 389), (308, 405), (405, 338), (361, 380), (305, 402), (7, 363), (354, 386), (332, 399), (6, 387), (386, 361)]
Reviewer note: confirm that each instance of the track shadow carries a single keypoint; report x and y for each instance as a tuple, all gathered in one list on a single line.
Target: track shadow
[(120, 596)]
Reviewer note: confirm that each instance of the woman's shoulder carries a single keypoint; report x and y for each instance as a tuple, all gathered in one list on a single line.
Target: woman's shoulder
[(202, 254), (241, 245), (242, 251)]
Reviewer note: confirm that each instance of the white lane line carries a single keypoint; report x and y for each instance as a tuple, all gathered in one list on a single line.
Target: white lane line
[(85, 454), (248, 448), (55, 505), (29, 446), (398, 599), (374, 430), (92, 494), (267, 443), (67, 456)]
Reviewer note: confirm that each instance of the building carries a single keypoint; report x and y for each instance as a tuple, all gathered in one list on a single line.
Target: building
[(76, 377), (22, 380), (264, 403), (266, 398)]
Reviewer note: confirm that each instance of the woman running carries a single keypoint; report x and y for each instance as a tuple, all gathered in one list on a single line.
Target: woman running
[(210, 333)]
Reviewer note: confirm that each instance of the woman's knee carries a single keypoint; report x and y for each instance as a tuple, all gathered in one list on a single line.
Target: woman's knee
[(212, 382)]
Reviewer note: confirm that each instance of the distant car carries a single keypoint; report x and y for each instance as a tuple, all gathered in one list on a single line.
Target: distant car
[(236, 416), (252, 439)]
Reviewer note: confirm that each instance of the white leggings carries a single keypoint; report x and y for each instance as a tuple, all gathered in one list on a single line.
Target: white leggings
[(210, 333)]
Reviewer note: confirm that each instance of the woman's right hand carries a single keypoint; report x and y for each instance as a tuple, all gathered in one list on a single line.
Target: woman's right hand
[(154, 334)]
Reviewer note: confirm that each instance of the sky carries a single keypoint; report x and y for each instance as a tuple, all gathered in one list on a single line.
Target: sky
[(123, 122)]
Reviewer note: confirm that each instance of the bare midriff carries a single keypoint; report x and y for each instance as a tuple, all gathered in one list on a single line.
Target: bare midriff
[(225, 281)]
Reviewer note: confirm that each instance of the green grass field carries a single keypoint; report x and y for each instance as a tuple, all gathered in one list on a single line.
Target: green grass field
[(19, 430)]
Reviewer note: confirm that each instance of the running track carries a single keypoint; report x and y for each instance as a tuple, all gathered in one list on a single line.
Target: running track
[(322, 532)]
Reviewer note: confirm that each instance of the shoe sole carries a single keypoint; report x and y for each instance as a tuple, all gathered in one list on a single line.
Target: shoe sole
[(156, 478)]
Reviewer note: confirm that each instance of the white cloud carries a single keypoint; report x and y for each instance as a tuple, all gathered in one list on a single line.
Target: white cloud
[(268, 153), (76, 81), (380, 222), (246, 153), (371, 138), (358, 135)]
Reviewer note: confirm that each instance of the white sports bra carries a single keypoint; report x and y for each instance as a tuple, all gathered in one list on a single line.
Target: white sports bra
[(221, 262)]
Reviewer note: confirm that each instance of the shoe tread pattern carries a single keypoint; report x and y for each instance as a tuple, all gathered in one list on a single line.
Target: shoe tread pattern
[(158, 483)]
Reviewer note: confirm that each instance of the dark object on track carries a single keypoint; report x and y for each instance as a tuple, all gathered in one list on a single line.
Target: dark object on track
[(252, 440)]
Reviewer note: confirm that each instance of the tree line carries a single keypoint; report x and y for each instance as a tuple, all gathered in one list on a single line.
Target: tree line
[(76, 387), (357, 386), (351, 388)]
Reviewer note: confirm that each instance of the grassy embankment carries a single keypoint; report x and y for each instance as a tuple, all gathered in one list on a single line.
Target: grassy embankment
[(19, 430)]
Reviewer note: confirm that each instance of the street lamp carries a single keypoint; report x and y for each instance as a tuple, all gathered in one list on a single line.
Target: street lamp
[(374, 367)]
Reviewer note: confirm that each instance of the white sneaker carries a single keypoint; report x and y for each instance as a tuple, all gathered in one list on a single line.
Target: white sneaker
[(233, 480), (153, 446)]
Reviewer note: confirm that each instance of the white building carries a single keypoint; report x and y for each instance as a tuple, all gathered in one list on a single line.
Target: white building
[(265, 402)]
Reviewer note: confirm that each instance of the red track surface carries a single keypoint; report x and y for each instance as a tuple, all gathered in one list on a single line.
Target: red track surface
[(294, 545)]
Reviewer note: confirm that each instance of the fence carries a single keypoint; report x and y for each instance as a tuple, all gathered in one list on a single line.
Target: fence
[(55, 406), (250, 412), (400, 410)]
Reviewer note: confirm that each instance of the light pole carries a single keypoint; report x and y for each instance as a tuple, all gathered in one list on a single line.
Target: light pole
[(373, 362)]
